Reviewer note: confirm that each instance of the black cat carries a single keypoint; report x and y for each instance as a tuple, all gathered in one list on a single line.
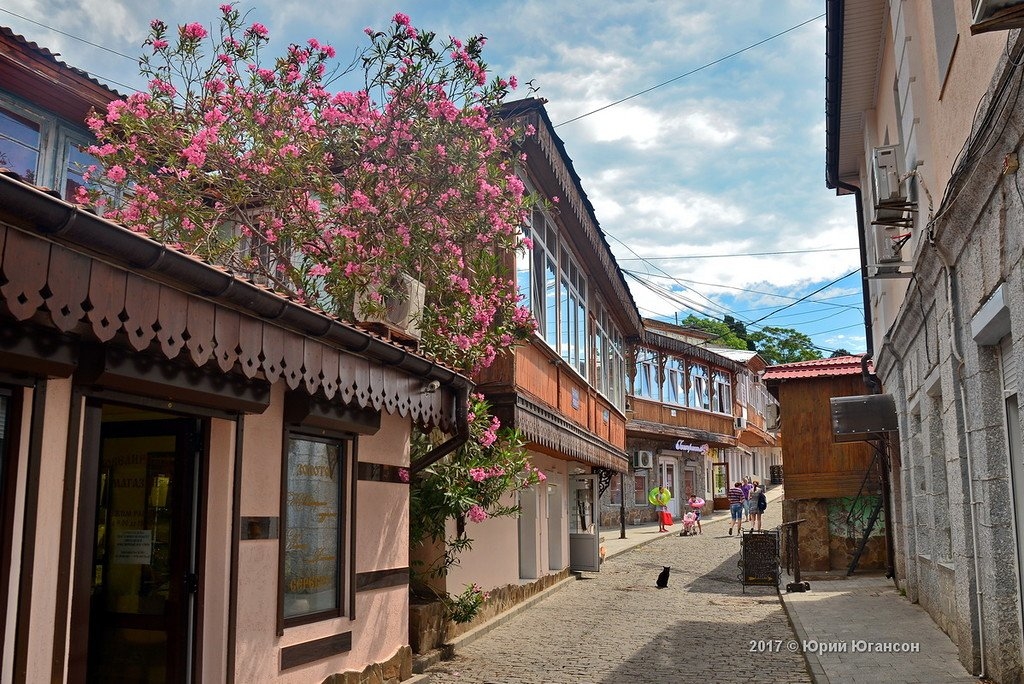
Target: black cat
[(663, 577)]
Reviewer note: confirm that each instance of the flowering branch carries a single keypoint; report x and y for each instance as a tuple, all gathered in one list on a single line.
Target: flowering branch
[(329, 196)]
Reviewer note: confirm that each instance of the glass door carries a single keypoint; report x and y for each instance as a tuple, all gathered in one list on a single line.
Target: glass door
[(143, 580), (584, 528), (720, 485), (667, 469)]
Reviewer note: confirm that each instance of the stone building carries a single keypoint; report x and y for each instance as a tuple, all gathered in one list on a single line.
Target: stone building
[(923, 129)]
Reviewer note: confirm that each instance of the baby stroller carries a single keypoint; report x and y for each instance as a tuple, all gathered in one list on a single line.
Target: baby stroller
[(689, 524)]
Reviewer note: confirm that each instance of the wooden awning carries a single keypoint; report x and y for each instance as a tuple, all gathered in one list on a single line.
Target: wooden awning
[(91, 282), (552, 434)]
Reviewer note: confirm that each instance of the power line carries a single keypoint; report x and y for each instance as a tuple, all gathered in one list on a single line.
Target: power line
[(680, 282), (809, 294), (70, 35), (691, 72), (726, 256)]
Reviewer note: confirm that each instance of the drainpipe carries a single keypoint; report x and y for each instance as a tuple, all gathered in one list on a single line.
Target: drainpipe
[(954, 336), (870, 379), (460, 437)]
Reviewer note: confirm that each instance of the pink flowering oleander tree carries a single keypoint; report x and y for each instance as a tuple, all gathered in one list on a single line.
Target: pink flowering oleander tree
[(331, 198), (469, 488)]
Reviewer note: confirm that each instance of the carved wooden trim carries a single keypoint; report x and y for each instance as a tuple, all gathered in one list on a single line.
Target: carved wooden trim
[(551, 431), (104, 302)]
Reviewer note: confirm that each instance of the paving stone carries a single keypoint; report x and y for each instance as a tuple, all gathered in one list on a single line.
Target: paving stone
[(615, 626)]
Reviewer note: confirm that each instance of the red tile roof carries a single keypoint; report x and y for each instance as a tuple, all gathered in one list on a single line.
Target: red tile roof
[(817, 368)]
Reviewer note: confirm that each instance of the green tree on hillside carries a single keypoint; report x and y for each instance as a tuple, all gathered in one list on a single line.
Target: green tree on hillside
[(783, 345), (727, 336)]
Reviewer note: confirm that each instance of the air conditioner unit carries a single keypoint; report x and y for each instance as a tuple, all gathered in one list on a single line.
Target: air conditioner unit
[(887, 168), (888, 244), (997, 15), (401, 312), (741, 422), (643, 459)]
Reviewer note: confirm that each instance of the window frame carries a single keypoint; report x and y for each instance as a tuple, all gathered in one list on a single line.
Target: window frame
[(637, 477), (698, 386), (721, 379), (645, 383), (347, 445), (673, 388), (615, 490)]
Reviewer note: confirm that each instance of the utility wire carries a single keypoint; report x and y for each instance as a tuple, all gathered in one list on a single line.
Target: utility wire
[(726, 256), (681, 281), (691, 72), (809, 294), (70, 35)]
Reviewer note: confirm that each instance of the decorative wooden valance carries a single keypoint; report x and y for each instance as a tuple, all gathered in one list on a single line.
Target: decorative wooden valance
[(674, 432), (79, 294), (561, 437)]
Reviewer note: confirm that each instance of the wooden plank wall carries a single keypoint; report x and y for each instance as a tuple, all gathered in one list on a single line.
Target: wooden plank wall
[(534, 371), (813, 465), (657, 412)]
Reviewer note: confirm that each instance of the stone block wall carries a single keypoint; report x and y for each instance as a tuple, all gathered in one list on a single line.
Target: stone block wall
[(429, 630), (827, 541)]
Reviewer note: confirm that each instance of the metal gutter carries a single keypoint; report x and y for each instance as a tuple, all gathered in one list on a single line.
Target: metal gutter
[(834, 12)]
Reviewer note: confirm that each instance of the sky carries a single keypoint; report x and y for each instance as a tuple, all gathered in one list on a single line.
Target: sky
[(697, 129)]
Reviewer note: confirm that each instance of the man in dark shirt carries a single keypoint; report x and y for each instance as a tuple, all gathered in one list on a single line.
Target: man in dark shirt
[(736, 507)]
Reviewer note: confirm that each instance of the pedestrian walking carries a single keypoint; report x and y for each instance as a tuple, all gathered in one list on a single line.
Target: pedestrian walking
[(758, 502), (659, 497), (746, 487), (736, 499)]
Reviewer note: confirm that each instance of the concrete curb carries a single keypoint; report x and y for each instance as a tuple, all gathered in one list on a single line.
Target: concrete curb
[(422, 662), (814, 667)]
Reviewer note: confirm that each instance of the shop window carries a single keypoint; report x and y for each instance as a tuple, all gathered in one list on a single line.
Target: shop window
[(314, 520)]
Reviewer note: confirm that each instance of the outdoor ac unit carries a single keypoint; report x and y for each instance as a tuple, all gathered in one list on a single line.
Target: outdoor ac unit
[(888, 242), (887, 167), (402, 312), (741, 422), (998, 15), (643, 459)]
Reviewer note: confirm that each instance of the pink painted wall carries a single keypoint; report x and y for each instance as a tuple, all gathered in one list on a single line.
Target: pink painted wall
[(47, 528), (380, 627), (494, 560), (217, 570)]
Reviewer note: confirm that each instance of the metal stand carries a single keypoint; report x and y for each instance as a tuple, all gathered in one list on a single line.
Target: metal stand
[(793, 554)]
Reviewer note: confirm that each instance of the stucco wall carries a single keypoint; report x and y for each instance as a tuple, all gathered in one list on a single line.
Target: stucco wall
[(958, 538), (380, 627), (46, 562)]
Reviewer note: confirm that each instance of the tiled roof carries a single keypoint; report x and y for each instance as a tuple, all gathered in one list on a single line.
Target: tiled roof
[(816, 368), (53, 57)]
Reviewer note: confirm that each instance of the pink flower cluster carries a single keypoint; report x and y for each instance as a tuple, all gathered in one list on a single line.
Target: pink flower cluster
[(481, 474), (331, 194), (476, 513)]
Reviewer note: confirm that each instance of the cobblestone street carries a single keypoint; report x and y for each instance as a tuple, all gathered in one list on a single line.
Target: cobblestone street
[(615, 626)]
